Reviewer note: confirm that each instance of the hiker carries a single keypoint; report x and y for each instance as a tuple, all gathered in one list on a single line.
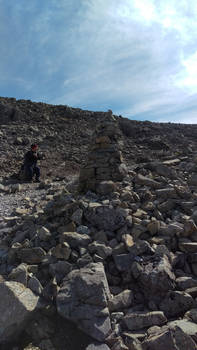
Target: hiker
[(30, 164)]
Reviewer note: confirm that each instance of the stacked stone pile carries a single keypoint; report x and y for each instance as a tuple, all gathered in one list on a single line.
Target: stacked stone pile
[(105, 161), (121, 266)]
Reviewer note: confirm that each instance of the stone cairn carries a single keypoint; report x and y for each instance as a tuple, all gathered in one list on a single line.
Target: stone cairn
[(105, 164)]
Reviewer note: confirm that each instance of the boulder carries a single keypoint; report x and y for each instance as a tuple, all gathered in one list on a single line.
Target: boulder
[(105, 218), (157, 278), (83, 299), (144, 180), (32, 255), (188, 327), (106, 187), (17, 306), (61, 251), (75, 239), (141, 319), (191, 315), (171, 339), (176, 303), (185, 282), (19, 274), (121, 301)]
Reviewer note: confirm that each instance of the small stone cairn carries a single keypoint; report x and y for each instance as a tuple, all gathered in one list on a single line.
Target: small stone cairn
[(105, 164)]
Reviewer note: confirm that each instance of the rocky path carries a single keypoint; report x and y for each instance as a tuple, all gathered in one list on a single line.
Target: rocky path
[(19, 196)]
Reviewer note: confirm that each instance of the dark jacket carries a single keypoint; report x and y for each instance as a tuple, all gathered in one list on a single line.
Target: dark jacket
[(31, 158)]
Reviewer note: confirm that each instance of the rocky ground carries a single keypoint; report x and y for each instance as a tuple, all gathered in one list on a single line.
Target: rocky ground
[(111, 269), (64, 134)]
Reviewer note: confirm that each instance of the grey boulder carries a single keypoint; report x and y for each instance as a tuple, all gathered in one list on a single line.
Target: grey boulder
[(83, 299), (17, 305), (176, 303), (171, 339), (105, 218)]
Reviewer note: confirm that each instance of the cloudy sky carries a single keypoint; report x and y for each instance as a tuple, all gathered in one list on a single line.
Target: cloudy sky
[(136, 57)]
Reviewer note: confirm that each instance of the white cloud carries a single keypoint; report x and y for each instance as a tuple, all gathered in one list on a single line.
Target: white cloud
[(136, 57)]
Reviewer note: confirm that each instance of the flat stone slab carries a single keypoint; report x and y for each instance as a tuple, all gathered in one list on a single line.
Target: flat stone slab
[(188, 327), (140, 319), (188, 247)]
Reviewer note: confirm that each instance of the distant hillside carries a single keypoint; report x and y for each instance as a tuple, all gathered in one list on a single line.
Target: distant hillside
[(64, 134)]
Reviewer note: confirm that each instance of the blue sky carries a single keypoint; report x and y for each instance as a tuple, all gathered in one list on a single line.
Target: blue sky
[(136, 57)]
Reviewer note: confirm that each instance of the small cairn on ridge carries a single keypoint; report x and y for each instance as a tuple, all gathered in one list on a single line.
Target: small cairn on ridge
[(105, 164)]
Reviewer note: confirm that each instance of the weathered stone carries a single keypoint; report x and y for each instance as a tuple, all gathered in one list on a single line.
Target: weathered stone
[(19, 274), (172, 339), (31, 255), (188, 247), (87, 173), (189, 228), (143, 180), (165, 193), (165, 171), (121, 301), (166, 206), (77, 216), (15, 188), (157, 278), (100, 249), (176, 303), (192, 257), (141, 247), (60, 269), (191, 315), (35, 285), (106, 187), (75, 239), (192, 291), (61, 251), (137, 230), (192, 181), (128, 240), (84, 230), (174, 228), (153, 227), (162, 250), (123, 261), (188, 327), (105, 218), (127, 196), (136, 269), (17, 305), (140, 319), (21, 211), (184, 283), (83, 299), (44, 234)]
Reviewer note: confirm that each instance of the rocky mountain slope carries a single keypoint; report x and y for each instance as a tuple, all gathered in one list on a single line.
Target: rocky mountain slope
[(104, 260), (64, 133)]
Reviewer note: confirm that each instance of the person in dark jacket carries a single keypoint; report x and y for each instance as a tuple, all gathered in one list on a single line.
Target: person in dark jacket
[(30, 164)]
